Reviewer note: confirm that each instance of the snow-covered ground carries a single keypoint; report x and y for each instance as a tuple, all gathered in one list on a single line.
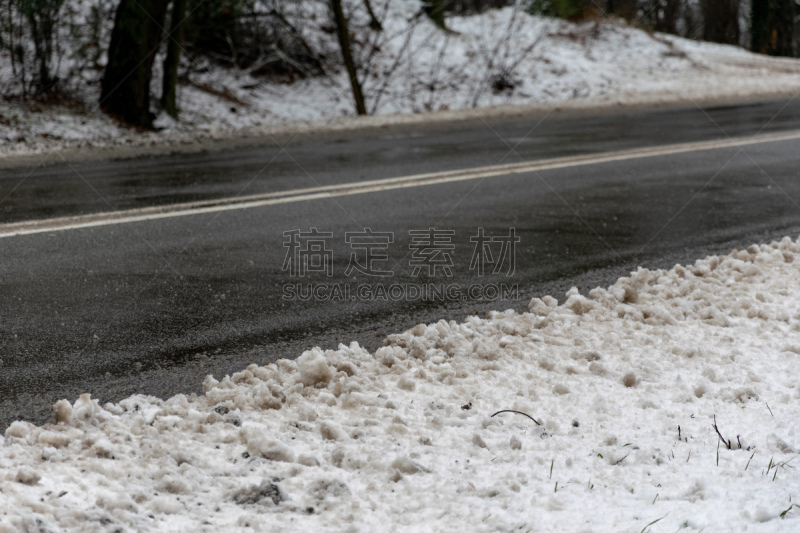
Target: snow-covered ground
[(620, 393), (499, 58)]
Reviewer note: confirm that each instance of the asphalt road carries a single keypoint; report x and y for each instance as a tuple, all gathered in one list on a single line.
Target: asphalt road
[(153, 306)]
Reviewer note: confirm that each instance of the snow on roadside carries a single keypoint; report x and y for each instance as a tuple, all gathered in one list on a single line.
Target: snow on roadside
[(626, 385), (547, 61)]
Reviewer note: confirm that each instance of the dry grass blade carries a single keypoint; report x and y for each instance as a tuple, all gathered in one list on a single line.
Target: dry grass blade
[(653, 522)]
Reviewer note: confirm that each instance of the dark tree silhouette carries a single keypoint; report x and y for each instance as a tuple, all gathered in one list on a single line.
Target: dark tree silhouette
[(772, 23), (667, 17), (137, 33), (622, 8), (42, 16), (721, 21), (344, 43), (435, 10), (173, 59)]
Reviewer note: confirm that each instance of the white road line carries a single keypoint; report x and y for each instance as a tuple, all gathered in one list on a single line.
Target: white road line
[(362, 187)]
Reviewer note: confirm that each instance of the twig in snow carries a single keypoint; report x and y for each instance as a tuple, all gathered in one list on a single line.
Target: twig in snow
[(518, 412), (770, 410), (618, 462), (727, 443)]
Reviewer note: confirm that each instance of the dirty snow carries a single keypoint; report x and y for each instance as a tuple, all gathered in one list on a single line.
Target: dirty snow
[(501, 58), (626, 384)]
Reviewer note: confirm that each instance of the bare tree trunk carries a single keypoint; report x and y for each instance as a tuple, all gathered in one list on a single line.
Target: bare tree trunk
[(42, 17), (374, 23), (772, 23), (125, 91), (344, 43), (759, 24), (173, 59), (783, 40), (721, 21), (668, 20)]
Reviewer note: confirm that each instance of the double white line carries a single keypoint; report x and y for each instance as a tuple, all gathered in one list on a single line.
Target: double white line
[(362, 187)]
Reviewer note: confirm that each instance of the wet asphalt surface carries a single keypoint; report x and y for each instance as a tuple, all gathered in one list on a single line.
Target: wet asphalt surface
[(153, 307)]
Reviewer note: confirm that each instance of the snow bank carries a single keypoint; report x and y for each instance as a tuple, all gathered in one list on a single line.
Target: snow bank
[(616, 396), (499, 58)]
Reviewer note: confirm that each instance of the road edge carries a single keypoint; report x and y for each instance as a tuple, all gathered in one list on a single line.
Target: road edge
[(156, 144)]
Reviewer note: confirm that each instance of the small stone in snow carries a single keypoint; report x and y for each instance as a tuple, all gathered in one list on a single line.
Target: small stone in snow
[(256, 493), (477, 440), (331, 431), (405, 465), (28, 477)]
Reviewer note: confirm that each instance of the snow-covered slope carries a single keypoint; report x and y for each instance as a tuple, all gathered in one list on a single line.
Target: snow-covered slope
[(501, 57), (616, 396)]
